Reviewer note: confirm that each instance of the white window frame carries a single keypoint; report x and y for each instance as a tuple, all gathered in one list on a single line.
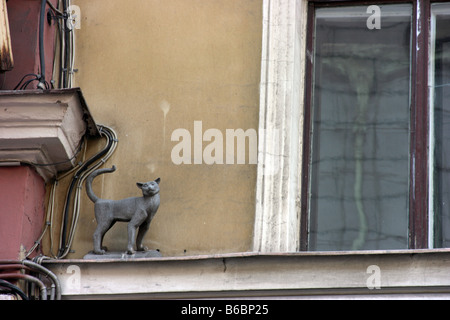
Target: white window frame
[(278, 194)]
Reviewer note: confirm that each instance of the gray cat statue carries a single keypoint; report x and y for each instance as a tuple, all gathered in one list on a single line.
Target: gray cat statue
[(137, 211)]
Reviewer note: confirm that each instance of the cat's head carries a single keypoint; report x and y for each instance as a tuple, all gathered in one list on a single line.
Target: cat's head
[(149, 188)]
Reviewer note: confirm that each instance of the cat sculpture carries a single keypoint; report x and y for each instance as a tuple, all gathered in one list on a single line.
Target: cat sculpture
[(137, 211)]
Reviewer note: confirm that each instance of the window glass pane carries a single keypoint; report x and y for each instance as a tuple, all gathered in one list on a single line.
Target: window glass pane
[(440, 128), (359, 178)]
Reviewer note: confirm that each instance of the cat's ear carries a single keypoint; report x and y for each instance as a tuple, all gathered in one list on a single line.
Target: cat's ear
[(158, 180), (139, 185)]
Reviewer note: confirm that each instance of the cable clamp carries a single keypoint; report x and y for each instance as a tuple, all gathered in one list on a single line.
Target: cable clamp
[(41, 85)]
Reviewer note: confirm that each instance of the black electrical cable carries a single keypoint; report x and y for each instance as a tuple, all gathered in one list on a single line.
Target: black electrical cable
[(72, 186), (61, 45), (23, 78), (65, 66), (42, 84), (13, 289), (25, 85), (55, 10)]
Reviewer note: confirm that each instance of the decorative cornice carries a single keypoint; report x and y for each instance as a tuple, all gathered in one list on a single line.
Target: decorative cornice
[(43, 128)]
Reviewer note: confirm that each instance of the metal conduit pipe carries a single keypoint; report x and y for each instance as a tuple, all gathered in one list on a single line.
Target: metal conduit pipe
[(32, 266), (48, 273), (26, 277), (13, 267)]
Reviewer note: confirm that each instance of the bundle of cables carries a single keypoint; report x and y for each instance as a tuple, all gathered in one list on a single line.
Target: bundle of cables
[(64, 42), (35, 77), (40, 283), (72, 203)]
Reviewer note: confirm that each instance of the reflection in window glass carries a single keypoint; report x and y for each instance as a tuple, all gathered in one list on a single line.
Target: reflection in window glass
[(359, 179), (440, 127)]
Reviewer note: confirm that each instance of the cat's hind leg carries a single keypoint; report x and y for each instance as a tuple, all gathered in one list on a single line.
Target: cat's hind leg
[(99, 233)]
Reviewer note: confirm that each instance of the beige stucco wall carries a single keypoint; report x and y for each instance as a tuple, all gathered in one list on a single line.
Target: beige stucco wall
[(147, 68)]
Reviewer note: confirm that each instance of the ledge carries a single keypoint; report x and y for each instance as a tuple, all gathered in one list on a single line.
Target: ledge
[(43, 128), (402, 273)]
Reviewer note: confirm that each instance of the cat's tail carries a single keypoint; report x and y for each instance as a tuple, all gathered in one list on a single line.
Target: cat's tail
[(91, 177)]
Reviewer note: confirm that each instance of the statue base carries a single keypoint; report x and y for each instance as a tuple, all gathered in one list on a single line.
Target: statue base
[(123, 255)]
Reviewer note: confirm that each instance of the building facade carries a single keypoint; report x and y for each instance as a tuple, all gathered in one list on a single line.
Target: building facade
[(300, 145)]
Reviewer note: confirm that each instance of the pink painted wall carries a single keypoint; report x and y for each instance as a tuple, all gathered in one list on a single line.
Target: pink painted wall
[(22, 210)]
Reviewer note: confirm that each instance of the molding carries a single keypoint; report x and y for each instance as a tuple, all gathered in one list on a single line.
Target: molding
[(277, 212), (43, 127), (407, 274)]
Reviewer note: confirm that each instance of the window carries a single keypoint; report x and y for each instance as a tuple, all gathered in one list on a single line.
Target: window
[(377, 126), (439, 82)]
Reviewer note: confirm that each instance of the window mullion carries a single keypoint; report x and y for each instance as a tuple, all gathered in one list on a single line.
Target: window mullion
[(418, 230)]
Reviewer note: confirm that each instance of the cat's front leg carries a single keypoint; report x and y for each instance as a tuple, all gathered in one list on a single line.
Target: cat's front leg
[(138, 221), (143, 228), (131, 239), (142, 248)]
